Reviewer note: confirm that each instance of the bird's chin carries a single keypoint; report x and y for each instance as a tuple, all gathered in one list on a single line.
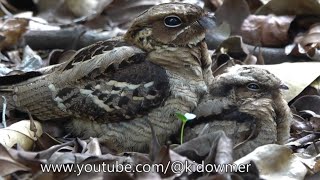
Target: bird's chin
[(196, 40), (191, 41)]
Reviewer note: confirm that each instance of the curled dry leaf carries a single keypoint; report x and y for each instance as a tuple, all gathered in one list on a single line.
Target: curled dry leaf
[(307, 44), (12, 30), (234, 47), (8, 164), (31, 60), (207, 145), (93, 147), (20, 133), (213, 4), (123, 11), (309, 102), (298, 126), (267, 30), (254, 5), (230, 52), (234, 13), (290, 7), (276, 162), (315, 122), (316, 85), (86, 7)]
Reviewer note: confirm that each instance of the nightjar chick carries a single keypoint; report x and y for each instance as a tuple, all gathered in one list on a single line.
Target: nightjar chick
[(246, 103), (112, 89)]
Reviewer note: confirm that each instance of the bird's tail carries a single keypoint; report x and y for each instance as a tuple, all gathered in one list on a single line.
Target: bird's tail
[(32, 96)]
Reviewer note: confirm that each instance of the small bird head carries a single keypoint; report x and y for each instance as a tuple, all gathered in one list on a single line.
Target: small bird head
[(248, 82), (170, 24)]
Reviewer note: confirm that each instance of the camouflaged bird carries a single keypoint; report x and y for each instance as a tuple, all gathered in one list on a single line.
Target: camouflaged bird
[(111, 89), (246, 103)]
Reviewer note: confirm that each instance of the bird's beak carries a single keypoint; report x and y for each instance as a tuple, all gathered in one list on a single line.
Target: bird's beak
[(283, 86), (207, 22)]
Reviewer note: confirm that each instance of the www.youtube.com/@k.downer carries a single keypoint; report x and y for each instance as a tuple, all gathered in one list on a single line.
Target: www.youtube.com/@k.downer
[(177, 167)]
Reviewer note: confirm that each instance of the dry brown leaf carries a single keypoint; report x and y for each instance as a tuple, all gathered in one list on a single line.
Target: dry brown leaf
[(12, 30), (308, 102), (290, 7), (210, 146), (8, 164), (276, 162), (315, 122), (123, 11), (213, 4), (316, 84), (20, 133), (93, 147), (254, 5), (298, 126), (234, 47), (233, 12), (316, 167), (307, 43), (86, 7), (267, 30)]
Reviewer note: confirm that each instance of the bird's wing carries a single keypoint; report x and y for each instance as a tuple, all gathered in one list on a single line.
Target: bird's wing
[(81, 55), (118, 84), (107, 81)]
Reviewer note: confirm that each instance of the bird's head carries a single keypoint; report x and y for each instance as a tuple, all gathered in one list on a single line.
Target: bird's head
[(171, 24), (247, 83), (173, 36)]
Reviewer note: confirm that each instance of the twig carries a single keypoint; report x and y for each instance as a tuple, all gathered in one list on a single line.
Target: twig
[(254, 129), (4, 107), (5, 10), (33, 127), (204, 129)]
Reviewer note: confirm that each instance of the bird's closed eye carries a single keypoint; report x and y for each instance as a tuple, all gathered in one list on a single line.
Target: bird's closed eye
[(172, 21), (253, 87)]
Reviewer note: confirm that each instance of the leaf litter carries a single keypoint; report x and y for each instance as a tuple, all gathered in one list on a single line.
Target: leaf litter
[(275, 24)]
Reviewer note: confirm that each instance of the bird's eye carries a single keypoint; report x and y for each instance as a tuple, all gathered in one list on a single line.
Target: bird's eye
[(253, 86), (172, 21)]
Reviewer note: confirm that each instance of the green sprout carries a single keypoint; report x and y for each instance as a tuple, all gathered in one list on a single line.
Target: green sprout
[(184, 118)]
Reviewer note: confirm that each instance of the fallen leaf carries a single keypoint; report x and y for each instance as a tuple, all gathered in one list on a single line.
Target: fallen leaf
[(298, 125), (290, 7), (20, 133), (30, 61), (12, 30), (93, 147), (91, 8), (207, 145), (254, 5), (270, 30), (8, 164), (297, 76), (240, 11), (276, 162), (309, 102)]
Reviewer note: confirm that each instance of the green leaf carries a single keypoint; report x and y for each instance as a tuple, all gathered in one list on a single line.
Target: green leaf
[(181, 117)]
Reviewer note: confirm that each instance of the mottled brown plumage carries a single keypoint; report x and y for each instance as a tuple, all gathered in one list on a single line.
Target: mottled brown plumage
[(110, 89), (245, 102)]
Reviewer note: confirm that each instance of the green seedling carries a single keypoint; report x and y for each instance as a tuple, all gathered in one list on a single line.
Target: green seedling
[(184, 118)]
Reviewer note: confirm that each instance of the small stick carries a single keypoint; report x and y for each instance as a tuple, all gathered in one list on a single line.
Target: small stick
[(4, 107)]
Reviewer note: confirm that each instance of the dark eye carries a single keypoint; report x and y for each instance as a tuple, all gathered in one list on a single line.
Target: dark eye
[(172, 21), (253, 86)]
